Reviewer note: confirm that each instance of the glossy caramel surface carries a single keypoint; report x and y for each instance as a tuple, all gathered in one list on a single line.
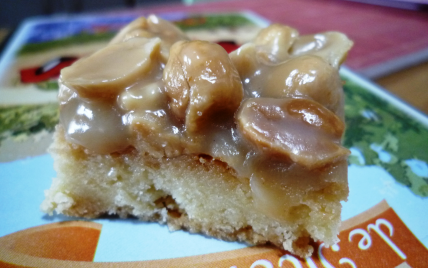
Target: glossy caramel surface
[(272, 110)]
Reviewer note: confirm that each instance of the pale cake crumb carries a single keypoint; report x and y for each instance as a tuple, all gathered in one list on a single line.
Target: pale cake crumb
[(185, 193)]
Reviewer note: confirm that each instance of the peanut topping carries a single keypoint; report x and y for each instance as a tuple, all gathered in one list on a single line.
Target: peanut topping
[(305, 77), (152, 27), (274, 42), (110, 70), (272, 110), (133, 29), (244, 59), (297, 129), (143, 97), (280, 64), (314, 114), (331, 46), (207, 87)]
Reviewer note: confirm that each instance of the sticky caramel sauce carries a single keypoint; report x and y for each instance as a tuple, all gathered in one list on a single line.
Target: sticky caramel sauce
[(272, 110)]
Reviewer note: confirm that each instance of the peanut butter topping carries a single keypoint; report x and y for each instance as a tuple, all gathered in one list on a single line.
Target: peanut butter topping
[(272, 110)]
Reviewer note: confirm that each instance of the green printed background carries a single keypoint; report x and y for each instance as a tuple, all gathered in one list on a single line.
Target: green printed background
[(385, 136)]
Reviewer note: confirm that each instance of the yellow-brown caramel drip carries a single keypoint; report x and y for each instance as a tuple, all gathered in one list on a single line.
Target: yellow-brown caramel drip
[(272, 110)]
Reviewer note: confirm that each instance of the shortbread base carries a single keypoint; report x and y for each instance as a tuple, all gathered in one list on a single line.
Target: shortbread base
[(191, 192)]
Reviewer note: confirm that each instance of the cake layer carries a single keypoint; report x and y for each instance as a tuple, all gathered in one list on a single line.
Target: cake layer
[(192, 192)]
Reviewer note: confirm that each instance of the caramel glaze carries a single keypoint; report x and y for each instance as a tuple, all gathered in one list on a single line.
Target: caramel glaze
[(272, 110)]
